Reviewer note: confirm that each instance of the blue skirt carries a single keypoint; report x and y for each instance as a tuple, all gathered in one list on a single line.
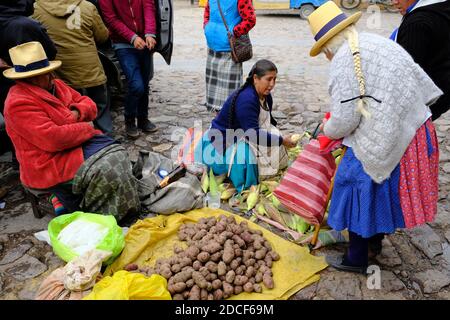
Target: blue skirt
[(361, 205), (244, 170)]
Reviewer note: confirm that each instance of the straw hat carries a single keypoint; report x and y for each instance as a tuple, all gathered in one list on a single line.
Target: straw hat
[(327, 21), (29, 60)]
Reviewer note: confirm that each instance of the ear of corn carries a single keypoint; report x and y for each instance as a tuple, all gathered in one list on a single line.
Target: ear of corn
[(205, 181), (228, 192), (296, 137), (212, 182), (273, 212), (252, 197)]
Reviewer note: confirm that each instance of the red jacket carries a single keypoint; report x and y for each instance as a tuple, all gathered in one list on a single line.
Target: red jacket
[(125, 18), (45, 134)]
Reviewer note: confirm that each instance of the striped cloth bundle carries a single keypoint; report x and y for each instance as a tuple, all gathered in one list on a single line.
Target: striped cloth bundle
[(304, 188)]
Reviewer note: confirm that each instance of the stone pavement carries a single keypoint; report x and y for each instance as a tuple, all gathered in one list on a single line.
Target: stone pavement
[(414, 264)]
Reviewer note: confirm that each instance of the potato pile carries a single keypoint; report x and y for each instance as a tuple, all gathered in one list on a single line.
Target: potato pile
[(223, 258)]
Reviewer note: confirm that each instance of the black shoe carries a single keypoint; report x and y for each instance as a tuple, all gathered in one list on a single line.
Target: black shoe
[(338, 263), (146, 125), (131, 129)]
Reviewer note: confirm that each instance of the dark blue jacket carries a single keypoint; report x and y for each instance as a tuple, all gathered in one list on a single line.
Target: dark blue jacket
[(246, 117)]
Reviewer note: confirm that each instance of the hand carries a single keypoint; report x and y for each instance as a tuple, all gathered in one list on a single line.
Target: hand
[(90, 123), (151, 42), (288, 143), (75, 113), (139, 43), (3, 64), (322, 125)]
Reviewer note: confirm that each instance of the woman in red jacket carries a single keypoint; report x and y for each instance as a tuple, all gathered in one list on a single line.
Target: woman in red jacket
[(57, 147)]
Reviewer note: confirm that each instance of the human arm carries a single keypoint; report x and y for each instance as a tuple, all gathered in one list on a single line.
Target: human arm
[(114, 23), (150, 18), (86, 108), (99, 29), (342, 86), (206, 15), (34, 125), (247, 114), (247, 13), (416, 38)]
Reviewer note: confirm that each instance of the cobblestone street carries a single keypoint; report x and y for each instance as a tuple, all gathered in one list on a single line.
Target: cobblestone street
[(415, 263)]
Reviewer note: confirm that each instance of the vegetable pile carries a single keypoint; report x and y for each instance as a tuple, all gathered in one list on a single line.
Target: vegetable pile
[(223, 258)]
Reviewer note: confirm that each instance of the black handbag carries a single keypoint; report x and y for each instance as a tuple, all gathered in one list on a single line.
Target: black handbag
[(241, 48)]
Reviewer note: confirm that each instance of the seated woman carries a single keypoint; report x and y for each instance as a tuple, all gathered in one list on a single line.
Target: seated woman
[(243, 140), (57, 147), (380, 99)]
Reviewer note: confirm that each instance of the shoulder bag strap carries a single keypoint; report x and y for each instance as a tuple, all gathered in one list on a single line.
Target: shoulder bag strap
[(223, 18)]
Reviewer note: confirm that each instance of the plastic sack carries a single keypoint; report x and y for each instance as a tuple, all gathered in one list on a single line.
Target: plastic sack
[(124, 285), (112, 240)]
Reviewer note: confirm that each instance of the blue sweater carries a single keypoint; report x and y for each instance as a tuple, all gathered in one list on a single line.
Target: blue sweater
[(245, 117)]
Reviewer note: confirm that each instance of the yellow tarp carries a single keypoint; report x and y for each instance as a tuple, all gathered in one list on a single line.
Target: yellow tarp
[(153, 238), (124, 285)]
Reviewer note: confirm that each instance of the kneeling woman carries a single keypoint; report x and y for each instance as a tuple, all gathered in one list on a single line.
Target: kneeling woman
[(243, 140)]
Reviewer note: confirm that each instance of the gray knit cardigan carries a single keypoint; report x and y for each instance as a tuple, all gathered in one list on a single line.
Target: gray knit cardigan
[(404, 92)]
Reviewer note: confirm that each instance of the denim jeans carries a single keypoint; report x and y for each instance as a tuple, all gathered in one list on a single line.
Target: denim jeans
[(100, 95), (137, 66)]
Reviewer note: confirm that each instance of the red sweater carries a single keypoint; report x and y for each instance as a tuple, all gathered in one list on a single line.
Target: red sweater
[(247, 13), (125, 18), (45, 134)]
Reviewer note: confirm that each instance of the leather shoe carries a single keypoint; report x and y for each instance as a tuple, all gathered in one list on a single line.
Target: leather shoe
[(146, 125), (337, 262)]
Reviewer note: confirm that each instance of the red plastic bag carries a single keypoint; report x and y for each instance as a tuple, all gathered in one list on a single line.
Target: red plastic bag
[(305, 185)]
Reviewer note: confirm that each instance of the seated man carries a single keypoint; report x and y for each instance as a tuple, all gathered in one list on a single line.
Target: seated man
[(57, 147)]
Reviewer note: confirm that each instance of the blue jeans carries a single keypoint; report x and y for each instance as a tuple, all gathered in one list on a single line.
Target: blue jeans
[(137, 66)]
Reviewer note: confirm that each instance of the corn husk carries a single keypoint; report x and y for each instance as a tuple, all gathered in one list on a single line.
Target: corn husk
[(273, 213), (253, 197), (228, 192), (296, 137), (212, 182), (205, 181)]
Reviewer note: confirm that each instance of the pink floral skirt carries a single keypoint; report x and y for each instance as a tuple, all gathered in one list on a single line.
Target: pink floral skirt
[(419, 170)]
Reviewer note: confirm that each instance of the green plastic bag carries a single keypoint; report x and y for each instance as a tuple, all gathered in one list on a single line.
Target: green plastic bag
[(113, 241)]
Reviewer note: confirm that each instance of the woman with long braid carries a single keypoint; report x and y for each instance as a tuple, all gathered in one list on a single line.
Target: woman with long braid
[(380, 100), (243, 140)]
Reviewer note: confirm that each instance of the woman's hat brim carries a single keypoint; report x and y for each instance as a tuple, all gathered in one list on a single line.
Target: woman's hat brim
[(317, 47), (12, 74)]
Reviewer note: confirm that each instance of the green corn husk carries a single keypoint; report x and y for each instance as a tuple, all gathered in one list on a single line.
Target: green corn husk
[(221, 178), (260, 209), (273, 213), (205, 181), (228, 192), (252, 197), (212, 182)]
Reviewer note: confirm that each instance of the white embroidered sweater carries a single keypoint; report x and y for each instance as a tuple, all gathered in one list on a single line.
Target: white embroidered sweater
[(405, 92)]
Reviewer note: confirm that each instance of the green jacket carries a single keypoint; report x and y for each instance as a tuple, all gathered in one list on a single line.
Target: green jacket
[(75, 27)]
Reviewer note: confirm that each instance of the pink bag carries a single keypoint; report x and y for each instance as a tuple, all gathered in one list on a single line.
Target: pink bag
[(305, 185)]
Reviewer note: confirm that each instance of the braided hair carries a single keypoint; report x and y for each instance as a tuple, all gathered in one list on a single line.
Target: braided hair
[(260, 69)]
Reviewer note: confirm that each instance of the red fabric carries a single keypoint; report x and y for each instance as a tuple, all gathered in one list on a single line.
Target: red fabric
[(328, 144), (126, 18), (419, 184), (304, 187), (247, 13), (45, 134)]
